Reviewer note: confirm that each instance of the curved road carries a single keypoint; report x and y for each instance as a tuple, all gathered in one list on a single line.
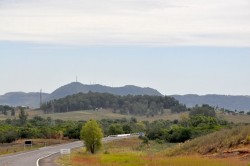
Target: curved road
[(30, 158)]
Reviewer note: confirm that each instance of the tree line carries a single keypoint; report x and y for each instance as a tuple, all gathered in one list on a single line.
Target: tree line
[(132, 105), (198, 121), (4, 109)]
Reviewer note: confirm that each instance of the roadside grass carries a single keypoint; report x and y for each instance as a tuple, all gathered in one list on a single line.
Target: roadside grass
[(18, 146), (128, 152)]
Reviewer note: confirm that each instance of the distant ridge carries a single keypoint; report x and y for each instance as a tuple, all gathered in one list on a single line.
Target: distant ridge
[(240, 103), (33, 99)]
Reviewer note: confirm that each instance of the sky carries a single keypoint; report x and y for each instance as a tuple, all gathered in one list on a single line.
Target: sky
[(174, 46)]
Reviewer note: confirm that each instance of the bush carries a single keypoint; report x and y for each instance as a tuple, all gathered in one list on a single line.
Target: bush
[(178, 134), (204, 110), (203, 121), (10, 136), (115, 129), (144, 139)]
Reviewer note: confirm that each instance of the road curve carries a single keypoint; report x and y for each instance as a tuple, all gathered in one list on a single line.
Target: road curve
[(30, 158)]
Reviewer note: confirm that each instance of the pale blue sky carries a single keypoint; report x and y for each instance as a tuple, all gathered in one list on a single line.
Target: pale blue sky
[(174, 46), (171, 70)]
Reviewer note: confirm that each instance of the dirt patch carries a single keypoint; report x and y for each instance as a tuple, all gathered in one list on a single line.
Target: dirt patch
[(241, 154)]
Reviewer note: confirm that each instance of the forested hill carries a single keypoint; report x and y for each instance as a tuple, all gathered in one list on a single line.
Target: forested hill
[(77, 87), (33, 99), (240, 103), (136, 105)]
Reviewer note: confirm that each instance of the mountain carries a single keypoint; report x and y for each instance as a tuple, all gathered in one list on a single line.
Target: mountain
[(76, 87), (22, 99), (33, 99), (240, 103)]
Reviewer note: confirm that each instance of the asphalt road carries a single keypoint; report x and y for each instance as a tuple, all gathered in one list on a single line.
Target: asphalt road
[(49, 161), (30, 158)]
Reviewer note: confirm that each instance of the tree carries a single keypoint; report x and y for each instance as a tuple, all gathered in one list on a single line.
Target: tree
[(177, 134), (23, 117), (184, 120), (92, 134), (127, 128), (13, 113)]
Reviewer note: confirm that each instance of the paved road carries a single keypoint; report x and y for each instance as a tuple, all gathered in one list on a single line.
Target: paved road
[(49, 161), (30, 158)]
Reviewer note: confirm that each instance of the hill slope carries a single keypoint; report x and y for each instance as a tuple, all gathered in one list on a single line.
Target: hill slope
[(240, 103), (222, 141)]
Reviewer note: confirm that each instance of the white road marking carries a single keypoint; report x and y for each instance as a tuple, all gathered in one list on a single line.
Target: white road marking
[(37, 161)]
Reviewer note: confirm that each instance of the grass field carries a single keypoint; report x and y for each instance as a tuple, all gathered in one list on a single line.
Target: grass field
[(100, 114), (131, 152), (235, 118), (108, 114)]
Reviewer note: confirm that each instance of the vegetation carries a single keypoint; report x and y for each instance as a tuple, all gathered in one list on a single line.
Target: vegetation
[(134, 105), (5, 108), (204, 110), (92, 135), (23, 117), (180, 131), (186, 131), (37, 127), (161, 130), (217, 142), (132, 152)]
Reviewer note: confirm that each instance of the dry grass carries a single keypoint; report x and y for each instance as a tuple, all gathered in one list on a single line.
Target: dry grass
[(108, 114), (235, 118), (216, 142), (128, 153), (98, 115)]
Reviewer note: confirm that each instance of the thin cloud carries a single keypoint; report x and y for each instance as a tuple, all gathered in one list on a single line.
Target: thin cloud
[(140, 22)]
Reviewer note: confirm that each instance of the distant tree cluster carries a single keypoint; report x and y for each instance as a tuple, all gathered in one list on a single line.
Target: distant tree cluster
[(180, 131), (204, 110), (133, 105), (5, 108), (38, 127)]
